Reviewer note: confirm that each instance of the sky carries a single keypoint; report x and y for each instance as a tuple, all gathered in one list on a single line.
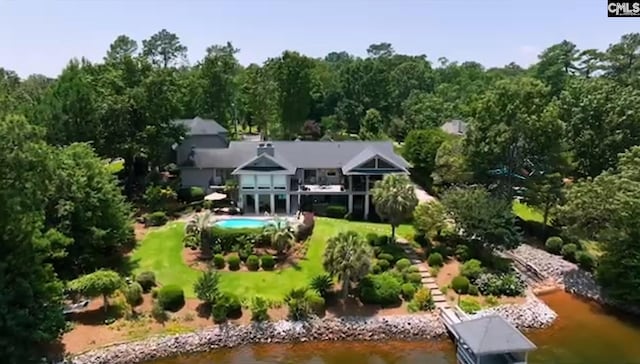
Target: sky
[(42, 36)]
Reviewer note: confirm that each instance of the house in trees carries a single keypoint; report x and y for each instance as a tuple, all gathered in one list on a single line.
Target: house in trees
[(455, 127), (286, 176)]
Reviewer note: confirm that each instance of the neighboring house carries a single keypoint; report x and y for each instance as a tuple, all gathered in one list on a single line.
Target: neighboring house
[(201, 133), (455, 127), (285, 176)]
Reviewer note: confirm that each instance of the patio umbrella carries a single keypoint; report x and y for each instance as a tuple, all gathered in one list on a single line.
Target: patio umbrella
[(215, 196)]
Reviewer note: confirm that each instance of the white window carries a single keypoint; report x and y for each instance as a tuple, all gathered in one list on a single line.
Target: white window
[(279, 182), (264, 182), (247, 182)]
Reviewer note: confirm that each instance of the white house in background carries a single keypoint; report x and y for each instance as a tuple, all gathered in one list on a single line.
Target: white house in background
[(284, 176)]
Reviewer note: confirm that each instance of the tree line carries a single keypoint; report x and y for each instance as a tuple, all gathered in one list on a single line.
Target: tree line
[(568, 116)]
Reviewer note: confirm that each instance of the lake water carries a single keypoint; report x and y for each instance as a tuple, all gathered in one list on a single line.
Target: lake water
[(584, 333)]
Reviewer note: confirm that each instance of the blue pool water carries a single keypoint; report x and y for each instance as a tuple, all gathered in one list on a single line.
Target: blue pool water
[(242, 223)]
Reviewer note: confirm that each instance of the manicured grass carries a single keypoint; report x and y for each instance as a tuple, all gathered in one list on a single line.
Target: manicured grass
[(526, 212), (161, 252)]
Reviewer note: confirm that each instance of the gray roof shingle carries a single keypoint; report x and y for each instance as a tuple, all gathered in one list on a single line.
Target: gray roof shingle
[(198, 126), (492, 335), (301, 154)]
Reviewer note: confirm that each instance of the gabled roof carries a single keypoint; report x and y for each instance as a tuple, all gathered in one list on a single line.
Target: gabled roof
[(287, 168), (368, 154), (299, 154), (198, 126), (492, 335)]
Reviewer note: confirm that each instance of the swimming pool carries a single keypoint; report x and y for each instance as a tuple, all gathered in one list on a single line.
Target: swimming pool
[(242, 223)]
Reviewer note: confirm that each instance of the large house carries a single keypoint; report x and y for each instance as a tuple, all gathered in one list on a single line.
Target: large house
[(285, 176)]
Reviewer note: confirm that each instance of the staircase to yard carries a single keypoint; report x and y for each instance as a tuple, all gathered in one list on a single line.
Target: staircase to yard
[(428, 281)]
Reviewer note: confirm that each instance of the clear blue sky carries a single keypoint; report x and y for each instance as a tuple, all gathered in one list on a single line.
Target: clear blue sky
[(41, 36)]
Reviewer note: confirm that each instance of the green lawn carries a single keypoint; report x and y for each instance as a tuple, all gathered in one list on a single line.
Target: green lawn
[(161, 252), (526, 212)]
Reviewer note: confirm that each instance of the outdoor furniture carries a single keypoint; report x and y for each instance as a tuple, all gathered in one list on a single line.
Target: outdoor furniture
[(76, 307)]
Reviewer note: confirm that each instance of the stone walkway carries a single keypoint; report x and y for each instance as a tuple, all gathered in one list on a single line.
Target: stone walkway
[(428, 281)]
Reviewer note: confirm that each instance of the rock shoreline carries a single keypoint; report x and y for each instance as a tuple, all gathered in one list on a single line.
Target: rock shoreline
[(532, 314)]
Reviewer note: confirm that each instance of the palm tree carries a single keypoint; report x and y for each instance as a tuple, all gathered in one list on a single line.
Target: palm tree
[(395, 199), (280, 233), (197, 231), (348, 257)]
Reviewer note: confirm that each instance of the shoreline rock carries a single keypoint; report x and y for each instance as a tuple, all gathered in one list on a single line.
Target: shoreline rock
[(533, 314)]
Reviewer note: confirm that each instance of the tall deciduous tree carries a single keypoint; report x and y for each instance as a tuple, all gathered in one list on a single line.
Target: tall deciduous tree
[(395, 199), (623, 60), (602, 119), (420, 149), (31, 293), (422, 110), (121, 48), (555, 65), (451, 166), (371, 125), (164, 49), (292, 73), (348, 257), (429, 217), (480, 217)]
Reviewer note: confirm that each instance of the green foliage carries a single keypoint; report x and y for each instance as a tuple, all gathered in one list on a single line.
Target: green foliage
[(386, 256), (569, 252), (585, 260), (492, 301), (422, 239), (413, 278), (472, 269), (429, 217), (207, 287), (554, 244), (171, 297), (303, 302), (451, 165), (470, 305), (322, 284), (147, 280), (218, 261), (100, 283), (234, 262), (420, 148), (473, 290), (281, 235), (228, 238), (190, 194), (133, 294), (370, 126), (219, 312), (395, 199), (482, 217), (408, 290), (158, 313), (463, 253), (435, 260), (460, 284), (157, 218), (253, 263), (508, 284), (259, 309), (347, 257), (336, 211), (403, 264), (267, 262), (383, 264), (422, 301), (158, 198), (154, 292), (383, 289)]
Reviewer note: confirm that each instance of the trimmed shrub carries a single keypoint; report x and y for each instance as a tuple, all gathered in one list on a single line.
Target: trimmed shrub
[(158, 313), (413, 278), (585, 260), (403, 264), (315, 302), (157, 218), (383, 264), (227, 239), (386, 256), (473, 290), (234, 262), (154, 293), (412, 269), (460, 284), (267, 262), (382, 240), (569, 252), (133, 294), (463, 253), (383, 289), (259, 309), (470, 305), (422, 301), (336, 211), (472, 269), (372, 238), (147, 280), (190, 194), (322, 284), (422, 239), (234, 307), (375, 269), (508, 284), (219, 312), (253, 262), (407, 291), (218, 261), (435, 260), (171, 297), (554, 244)]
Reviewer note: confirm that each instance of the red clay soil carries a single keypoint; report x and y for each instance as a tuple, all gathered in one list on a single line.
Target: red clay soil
[(193, 258), (90, 332)]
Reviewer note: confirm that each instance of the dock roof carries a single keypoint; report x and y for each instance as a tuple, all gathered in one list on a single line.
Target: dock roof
[(492, 335)]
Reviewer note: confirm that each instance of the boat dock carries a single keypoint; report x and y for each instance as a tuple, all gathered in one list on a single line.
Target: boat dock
[(487, 340)]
